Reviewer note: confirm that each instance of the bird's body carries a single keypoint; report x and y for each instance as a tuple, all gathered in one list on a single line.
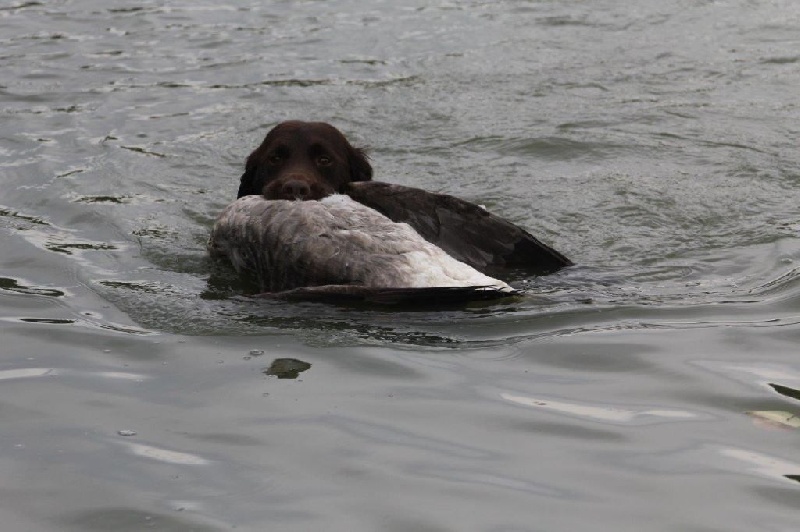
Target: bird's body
[(337, 242)]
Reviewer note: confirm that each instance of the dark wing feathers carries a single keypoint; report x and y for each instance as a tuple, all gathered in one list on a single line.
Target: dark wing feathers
[(464, 230)]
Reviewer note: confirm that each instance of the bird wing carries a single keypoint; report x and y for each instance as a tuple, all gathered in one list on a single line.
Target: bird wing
[(464, 230)]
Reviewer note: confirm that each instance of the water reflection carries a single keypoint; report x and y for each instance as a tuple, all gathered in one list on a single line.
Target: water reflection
[(14, 285), (599, 413), (131, 519), (763, 464)]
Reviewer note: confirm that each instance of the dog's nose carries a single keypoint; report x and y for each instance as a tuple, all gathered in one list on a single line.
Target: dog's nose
[(295, 189)]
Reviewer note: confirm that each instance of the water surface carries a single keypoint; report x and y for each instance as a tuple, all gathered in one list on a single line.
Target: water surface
[(654, 143)]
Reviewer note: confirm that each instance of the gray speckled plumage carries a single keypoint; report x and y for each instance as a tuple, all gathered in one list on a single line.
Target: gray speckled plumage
[(292, 245)]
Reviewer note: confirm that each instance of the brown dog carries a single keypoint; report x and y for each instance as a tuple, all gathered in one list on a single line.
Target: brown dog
[(303, 160)]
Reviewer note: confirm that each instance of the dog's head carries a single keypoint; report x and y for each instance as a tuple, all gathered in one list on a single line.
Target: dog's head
[(303, 160)]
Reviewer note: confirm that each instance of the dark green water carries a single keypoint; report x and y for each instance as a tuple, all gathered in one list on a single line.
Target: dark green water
[(654, 142)]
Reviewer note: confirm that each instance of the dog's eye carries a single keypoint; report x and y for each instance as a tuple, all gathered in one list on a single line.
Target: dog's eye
[(324, 160), (274, 159)]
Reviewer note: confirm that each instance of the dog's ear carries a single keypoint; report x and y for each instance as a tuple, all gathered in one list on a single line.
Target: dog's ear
[(246, 184), (249, 183), (360, 169)]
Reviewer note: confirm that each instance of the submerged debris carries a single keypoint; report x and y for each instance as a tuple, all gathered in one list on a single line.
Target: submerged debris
[(286, 368)]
